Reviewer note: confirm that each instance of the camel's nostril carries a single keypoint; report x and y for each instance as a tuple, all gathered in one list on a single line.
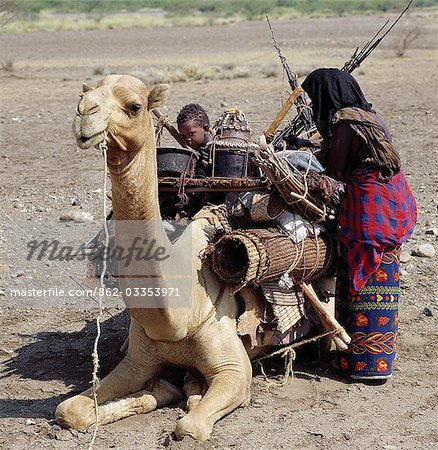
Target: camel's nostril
[(94, 109)]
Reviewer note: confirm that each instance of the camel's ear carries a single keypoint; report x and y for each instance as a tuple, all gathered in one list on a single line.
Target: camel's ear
[(86, 88), (158, 96)]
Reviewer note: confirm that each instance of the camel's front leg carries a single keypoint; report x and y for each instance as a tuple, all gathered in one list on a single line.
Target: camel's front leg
[(79, 412), (228, 374), (129, 377)]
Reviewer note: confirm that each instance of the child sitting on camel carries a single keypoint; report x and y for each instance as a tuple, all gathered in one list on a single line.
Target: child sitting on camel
[(194, 127)]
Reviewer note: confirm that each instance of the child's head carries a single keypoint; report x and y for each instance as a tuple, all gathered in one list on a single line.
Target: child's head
[(193, 125)]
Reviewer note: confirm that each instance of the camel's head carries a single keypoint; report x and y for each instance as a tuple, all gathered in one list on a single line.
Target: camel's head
[(119, 106)]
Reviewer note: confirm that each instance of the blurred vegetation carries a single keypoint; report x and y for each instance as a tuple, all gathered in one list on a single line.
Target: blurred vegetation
[(248, 8), (28, 15)]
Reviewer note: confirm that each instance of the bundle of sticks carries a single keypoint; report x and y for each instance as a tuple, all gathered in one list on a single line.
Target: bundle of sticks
[(293, 188)]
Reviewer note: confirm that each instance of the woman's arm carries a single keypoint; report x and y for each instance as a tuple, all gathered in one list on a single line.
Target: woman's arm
[(342, 153)]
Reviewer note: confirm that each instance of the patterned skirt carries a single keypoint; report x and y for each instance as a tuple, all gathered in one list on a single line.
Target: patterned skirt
[(370, 317)]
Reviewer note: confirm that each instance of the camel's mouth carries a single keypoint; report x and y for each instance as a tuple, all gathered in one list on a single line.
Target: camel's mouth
[(92, 141)]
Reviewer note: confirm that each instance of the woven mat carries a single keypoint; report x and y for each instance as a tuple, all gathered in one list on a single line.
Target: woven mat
[(287, 305), (258, 256)]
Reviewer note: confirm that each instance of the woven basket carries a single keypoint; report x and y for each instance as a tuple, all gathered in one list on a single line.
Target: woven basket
[(266, 206), (258, 256)]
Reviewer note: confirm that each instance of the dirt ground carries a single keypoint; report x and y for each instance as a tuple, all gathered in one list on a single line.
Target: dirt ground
[(46, 343)]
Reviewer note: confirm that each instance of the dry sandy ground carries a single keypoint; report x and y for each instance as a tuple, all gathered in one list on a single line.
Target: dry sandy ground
[(45, 345)]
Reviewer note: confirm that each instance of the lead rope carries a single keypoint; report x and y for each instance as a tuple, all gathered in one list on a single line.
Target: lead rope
[(103, 146)]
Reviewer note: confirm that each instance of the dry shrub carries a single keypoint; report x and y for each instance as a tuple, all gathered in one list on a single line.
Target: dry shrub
[(152, 76), (187, 73), (229, 66), (195, 73), (241, 72), (303, 71), (230, 72), (269, 70), (8, 65), (404, 38), (101, 70)]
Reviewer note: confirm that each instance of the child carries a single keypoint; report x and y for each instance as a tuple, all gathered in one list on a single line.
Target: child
[(194, 127)]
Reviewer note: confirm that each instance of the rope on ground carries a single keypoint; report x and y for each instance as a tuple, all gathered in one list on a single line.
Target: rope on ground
[(288, 353), (103, 147)]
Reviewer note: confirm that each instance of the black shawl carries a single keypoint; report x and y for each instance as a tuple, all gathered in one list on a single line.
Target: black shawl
[(331, 90)]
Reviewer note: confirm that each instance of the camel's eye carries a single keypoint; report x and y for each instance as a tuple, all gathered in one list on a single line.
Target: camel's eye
[(133, 109)]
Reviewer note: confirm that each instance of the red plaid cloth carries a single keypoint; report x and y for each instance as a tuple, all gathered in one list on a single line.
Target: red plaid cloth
[(375, 216)]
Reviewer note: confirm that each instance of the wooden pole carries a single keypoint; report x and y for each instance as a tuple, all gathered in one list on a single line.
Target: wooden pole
[(340, 337), (284, 110), (170, 128)]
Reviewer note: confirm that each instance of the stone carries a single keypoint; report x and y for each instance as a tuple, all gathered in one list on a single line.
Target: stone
[(433, 231), (405, 256), (18, 274), (424, 250), (76, 216), (429, 310)]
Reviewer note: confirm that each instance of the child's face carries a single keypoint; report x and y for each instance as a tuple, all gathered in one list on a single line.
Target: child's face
[(192, 133)]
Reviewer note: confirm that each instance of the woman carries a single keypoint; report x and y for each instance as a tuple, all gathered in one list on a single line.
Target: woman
[(378, 214)]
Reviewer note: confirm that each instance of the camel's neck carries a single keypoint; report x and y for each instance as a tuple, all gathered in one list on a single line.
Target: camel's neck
[(140, 233), (135, 188)]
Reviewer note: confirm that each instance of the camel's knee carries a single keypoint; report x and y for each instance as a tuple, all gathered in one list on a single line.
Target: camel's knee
[(76, 412), (236, 386), (246, 387), (242, 391)]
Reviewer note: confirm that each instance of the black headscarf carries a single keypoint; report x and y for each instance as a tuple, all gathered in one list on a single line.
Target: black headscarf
[(336, 96), (331, 90)]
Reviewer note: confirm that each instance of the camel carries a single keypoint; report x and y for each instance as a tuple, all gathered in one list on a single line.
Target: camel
[(202, 337)]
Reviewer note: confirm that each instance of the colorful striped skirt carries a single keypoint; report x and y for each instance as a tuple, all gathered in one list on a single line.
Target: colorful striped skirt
[(370, 317)]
